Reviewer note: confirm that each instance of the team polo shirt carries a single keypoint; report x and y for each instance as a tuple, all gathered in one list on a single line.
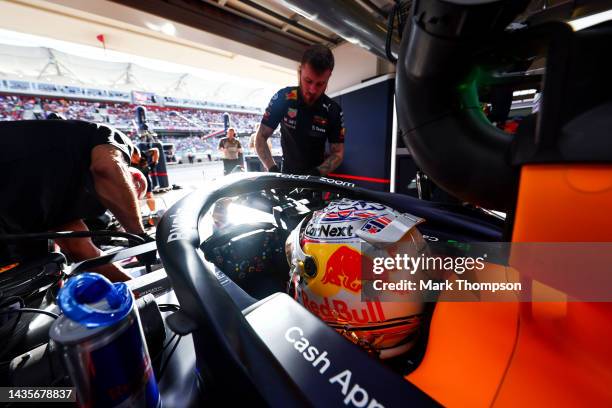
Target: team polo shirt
[(304, 129)]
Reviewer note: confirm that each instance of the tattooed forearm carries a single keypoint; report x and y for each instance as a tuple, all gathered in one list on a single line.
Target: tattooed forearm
[(329, 165), (334, 160)]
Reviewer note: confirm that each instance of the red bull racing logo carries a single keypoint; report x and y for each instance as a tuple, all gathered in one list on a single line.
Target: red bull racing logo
[(343, 269), (292, 95), (339, 310), (319, 120)]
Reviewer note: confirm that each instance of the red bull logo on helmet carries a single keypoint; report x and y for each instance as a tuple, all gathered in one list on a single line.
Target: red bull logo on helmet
[(339, 310), (343, 269)]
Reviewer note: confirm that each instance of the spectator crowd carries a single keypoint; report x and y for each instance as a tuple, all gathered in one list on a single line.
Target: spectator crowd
[(121, 115), (161, 120)]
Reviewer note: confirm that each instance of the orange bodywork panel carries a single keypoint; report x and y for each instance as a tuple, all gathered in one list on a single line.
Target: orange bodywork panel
[(469, 346), (511, 354), (561, 203)]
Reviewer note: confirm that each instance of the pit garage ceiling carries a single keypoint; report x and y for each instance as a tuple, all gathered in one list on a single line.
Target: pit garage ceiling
[(272, 25), (282, 28), (256, 39), (266, 33)]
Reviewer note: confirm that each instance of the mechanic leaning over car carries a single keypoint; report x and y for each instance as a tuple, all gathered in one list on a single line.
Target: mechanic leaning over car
[(308, 120), (55, 174)]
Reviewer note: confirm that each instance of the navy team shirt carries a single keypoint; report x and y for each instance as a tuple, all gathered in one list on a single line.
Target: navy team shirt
[(304, 129)]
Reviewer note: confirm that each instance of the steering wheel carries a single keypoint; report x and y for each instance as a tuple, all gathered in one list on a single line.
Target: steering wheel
[(225, 342), (232, 232)]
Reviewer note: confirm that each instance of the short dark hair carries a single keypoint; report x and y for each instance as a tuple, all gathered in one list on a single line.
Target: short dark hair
[(319, 57)]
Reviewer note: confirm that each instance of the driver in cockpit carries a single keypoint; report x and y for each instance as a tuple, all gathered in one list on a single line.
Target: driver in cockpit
[(327, 252)]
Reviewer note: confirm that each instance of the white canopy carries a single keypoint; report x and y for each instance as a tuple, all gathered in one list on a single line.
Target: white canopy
[(43, 64)]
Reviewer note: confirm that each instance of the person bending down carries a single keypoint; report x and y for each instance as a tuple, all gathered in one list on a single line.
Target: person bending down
[(58, 173)]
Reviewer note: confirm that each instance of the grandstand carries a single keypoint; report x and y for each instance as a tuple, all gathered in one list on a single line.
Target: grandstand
[(21, 87), (182, 107), (181, 126), (121, 115)]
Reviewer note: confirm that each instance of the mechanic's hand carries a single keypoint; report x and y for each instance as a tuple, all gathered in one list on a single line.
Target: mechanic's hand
[(314, 172), (274, 169), (148, 258)]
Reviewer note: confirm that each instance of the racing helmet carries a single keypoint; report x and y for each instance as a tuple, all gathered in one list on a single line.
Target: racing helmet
[(139, 181), (326, 251)]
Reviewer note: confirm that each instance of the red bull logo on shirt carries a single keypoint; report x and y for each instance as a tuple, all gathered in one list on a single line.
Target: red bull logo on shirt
[(293, 95), (319, 120)]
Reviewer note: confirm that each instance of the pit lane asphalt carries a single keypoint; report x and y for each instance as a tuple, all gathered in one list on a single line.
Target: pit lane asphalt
[(194, 175), (190, 177)]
